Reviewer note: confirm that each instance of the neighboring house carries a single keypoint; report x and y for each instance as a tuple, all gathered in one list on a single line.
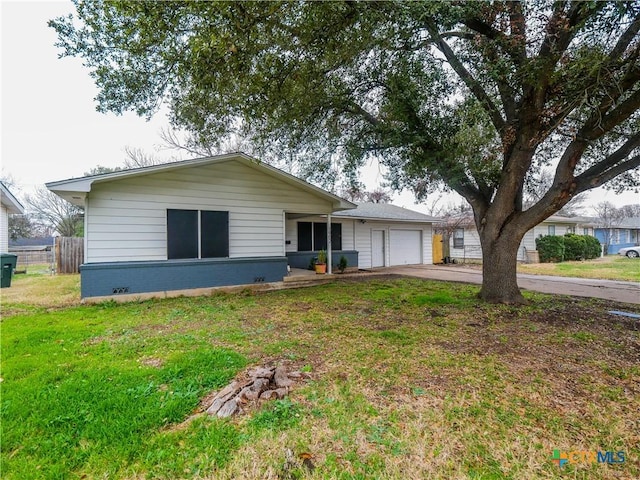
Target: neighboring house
[(625, 234), (9, 205), (38, 242), (225, 220), (465, 241)]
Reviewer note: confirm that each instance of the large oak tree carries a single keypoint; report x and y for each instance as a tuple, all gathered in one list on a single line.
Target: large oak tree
[(474, 96)]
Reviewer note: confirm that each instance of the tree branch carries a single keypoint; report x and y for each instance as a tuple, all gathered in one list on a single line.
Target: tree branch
[(597, 124), (597, 181), (468, 79), (606, 169), (515, 44), (560, 31), (625, 39)]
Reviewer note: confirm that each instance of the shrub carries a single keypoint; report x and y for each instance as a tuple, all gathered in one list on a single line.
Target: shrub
[(342, 264), (592, 247), (575, 247), (550, 248)]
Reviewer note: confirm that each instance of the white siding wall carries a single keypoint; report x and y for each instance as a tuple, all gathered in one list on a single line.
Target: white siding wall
[(126, 219), (291, 234), (473, 251), (4, 229), (471, 248), (363, 240)]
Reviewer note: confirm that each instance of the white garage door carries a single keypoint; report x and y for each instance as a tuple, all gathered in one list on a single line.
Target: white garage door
[(405, 247)]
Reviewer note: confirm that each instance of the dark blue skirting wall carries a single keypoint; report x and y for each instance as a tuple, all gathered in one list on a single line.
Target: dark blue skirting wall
[(115, 278), (302, 259)]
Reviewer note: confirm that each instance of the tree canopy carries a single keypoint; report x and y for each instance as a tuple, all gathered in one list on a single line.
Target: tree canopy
[(474, 96)]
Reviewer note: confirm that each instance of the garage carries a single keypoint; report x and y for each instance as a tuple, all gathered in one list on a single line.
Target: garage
[(405, 247)]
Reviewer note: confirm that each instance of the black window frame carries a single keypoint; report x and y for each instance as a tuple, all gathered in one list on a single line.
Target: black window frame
[(305, 236), (197, 234), (314, 236)]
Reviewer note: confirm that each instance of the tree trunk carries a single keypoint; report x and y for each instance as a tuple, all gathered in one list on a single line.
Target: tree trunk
[(499, 260)]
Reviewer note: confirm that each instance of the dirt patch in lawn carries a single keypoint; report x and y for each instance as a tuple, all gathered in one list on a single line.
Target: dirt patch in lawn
[(568, 342)]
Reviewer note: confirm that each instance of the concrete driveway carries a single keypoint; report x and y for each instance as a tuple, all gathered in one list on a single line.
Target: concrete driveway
[(626, 292)]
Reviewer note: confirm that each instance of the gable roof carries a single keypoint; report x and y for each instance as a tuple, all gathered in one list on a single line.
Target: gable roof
[(75, 190), (467, 221), (626, 223), (630, 222), (10, 202), (386, 211)]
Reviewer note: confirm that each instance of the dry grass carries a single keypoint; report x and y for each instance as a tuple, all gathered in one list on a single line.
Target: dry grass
[(49, 291), (612, 267)]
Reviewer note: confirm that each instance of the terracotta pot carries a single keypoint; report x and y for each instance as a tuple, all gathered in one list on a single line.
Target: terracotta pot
[(321, 268)]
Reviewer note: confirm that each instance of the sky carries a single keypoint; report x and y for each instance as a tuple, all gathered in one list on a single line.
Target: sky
[(52, 131)]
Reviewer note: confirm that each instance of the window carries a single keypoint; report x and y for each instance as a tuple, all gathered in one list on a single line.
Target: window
[(458, 238), (585, 231), (197, 234), (551, 230), (313, 236), (614, 236), (570, 230)]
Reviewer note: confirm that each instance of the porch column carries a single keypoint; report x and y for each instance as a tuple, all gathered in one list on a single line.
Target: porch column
[(329, 256)]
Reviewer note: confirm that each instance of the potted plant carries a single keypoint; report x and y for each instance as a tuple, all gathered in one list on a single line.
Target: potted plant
[(321, 264)]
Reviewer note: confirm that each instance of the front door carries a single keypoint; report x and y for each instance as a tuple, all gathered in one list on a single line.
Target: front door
[(436, 244), (377, 248)]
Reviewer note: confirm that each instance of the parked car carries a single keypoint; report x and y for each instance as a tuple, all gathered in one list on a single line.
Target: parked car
[(631, 252)]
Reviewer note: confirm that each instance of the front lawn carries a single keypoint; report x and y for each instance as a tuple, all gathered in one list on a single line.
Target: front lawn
[(409, 379), (612, 267)]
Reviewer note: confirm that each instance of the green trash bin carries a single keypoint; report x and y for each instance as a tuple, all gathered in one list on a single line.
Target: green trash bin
[(8, 263)]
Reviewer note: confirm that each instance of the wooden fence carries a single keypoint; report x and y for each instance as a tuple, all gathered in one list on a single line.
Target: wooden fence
[(69, 254), (30, 258)]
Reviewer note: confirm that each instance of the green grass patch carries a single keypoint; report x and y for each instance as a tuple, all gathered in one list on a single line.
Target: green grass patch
[(408, 379), (611, 267)]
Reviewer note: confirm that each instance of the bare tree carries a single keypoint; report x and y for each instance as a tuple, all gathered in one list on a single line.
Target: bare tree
[(20, 226), (353, 193), (100, 169), (630, 211), (608, 218), (55, 212), (454, 216), (137, 158), (183, 142), (538, 185), (379, 195)]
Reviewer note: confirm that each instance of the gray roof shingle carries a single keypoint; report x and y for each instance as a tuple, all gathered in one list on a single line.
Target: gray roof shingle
[(386, 211)]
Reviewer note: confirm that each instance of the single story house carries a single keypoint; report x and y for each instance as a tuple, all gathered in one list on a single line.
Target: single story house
[(8, 205), (625, 234), (464, 243), (379, 234), (224, 220)]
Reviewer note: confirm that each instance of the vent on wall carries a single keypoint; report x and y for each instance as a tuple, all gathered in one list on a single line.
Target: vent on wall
[(120, 290)]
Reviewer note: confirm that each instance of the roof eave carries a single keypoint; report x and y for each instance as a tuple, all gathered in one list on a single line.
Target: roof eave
[(75, 190), (385, 219), (10, 202)]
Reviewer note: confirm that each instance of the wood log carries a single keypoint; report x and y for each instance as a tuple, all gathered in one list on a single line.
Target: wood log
[(280, 377), (261, 372), (269, 395), (221, 398), (228, 409)]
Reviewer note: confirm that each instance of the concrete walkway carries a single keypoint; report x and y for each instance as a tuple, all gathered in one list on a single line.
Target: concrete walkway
[(626, 292)]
